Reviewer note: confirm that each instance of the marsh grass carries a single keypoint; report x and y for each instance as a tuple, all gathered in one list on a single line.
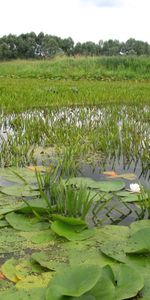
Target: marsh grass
[(93, 68)]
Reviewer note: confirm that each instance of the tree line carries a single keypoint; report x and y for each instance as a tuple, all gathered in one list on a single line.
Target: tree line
[(30, 45)]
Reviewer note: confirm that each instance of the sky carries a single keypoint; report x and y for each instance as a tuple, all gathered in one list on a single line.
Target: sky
[(83, 20)]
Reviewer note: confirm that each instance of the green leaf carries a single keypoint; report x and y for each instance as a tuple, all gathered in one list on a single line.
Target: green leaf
[(25, 223), (104, 288), (139, 242), (105, 186), (71, 232), (69, 220), (8, 269), (129, 282), (26, 267), (3, 223), (43, 237), (115, 249), (52, 261), (35, 281), (20, 191), (32, 294), (135, 226), (73, 281)]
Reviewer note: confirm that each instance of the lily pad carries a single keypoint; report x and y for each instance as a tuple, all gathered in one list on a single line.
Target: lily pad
[(71, 232), (20, 191), (34, 281), (135, 226), (43, 237), (25, 267), (3, 223), (8, 269), (129, 282), (69, 220), (139, 242), (22, 294), (52, 261), (104, 186), (25, 223), (73, 281)]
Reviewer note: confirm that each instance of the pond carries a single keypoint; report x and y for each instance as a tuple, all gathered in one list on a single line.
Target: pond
[(100, 151), (92, 140)]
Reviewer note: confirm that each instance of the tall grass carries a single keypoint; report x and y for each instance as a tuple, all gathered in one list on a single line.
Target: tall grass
[(79, 68)]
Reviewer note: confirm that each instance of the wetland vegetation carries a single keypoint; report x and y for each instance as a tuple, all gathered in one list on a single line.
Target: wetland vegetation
[(75, 178)]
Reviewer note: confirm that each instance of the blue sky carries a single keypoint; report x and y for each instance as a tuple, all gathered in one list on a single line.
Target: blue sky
[(83, 20)]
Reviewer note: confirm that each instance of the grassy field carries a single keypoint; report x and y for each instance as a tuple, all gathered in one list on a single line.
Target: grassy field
[(74, 81)]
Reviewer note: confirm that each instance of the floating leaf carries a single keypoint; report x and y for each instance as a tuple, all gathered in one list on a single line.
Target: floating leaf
[(73, 281), (115, 250), (22, 294), (34, 281), (8, 269), (139, 242), (135, 226), (25, 267), (69, 220), (104, 288), (43, 237), (104, 186), (19, 191), (3, 223), (51, 261), (39, 205), (18, 175), (71, 232), (129, 282), (113, 174), (25, 223)]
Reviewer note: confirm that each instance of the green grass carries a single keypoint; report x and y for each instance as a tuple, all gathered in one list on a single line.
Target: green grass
[(92, 68), (74, 81), (22, 94)]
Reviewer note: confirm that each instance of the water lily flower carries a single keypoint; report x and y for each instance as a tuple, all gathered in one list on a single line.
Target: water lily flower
[(135, 188)]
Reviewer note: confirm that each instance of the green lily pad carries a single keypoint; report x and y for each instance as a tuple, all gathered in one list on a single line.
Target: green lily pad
[(135, 226), (25, 223), (18, 175), (104, 288), (73, 281), (22, 294), (69, 220), (52, 261), (20, 191), (3, 223), (34, 281), (71, 232), (43, 237), (129, 282), (115, 249), (25, 267), (38, 205), (10, 241), (104, 186), (139, 242), (8, 269)]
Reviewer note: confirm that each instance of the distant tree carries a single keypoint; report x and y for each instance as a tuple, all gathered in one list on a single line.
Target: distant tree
[(49, 46), (67, 45)]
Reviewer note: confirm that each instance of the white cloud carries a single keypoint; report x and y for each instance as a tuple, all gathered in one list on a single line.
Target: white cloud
[(83, 20)]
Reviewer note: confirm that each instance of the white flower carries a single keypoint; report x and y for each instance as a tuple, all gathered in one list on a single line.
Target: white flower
[(135, 188)]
